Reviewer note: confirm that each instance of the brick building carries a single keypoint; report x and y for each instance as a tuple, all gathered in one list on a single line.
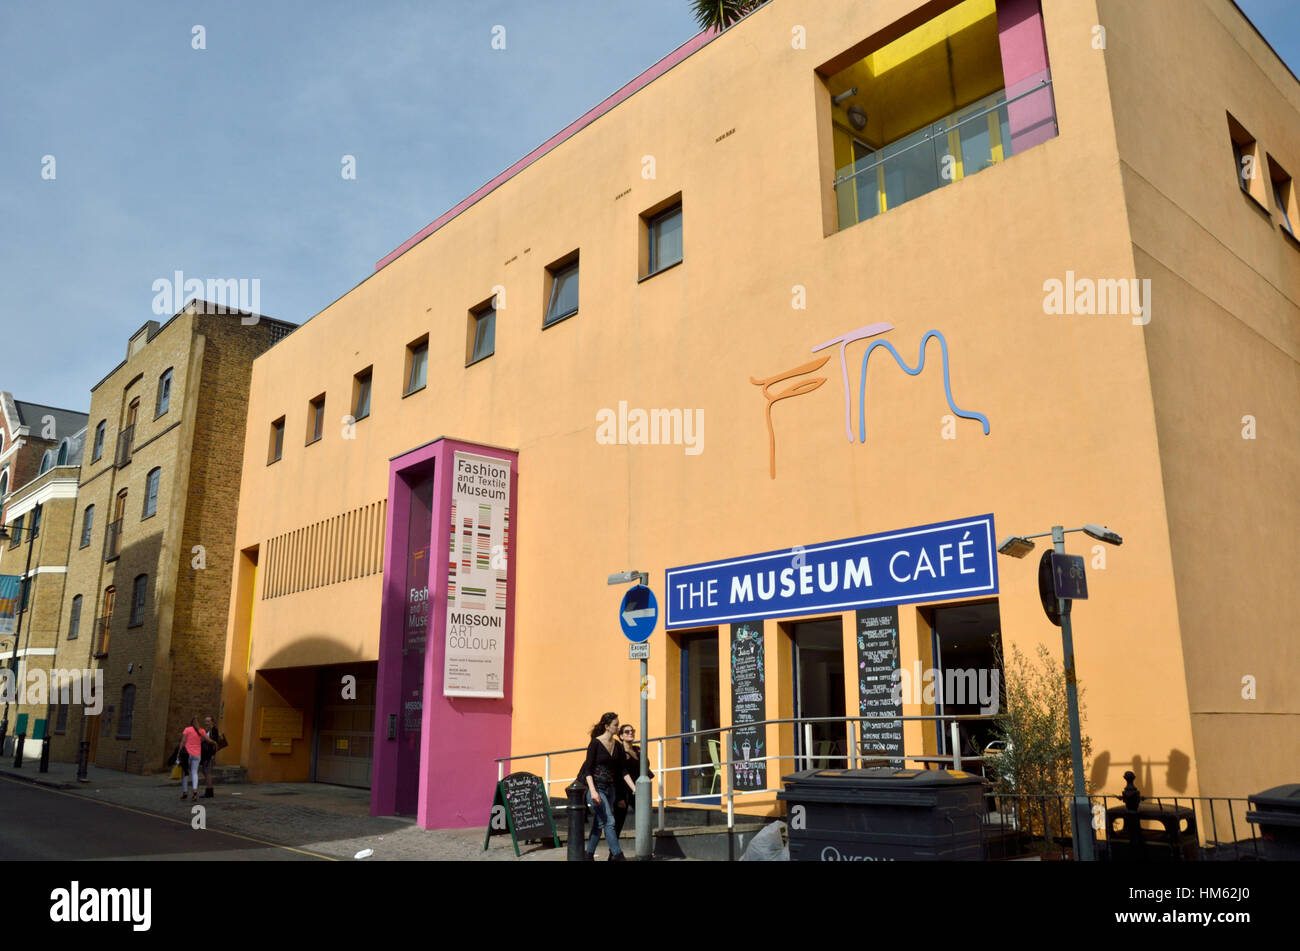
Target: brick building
[(38, 519), (27, 432), (150, 573)]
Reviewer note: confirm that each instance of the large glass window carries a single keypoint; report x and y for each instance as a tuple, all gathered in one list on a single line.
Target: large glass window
[(701, 710)]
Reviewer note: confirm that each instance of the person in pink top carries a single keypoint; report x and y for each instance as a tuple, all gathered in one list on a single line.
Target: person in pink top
[(192, 746)]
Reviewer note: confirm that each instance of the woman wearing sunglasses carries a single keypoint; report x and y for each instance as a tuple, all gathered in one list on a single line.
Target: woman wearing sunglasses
[(631, 772)]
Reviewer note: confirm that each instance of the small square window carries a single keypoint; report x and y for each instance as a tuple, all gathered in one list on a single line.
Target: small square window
[(315, 419), (361, 394), (277, 441), (562, 295), (663, 232), (417, 364), (482, 332)]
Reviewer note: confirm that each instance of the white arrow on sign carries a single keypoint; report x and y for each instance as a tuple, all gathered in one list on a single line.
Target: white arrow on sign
[(631, 617)]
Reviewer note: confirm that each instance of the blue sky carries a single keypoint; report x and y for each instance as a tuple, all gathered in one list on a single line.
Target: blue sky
[(225, 162)]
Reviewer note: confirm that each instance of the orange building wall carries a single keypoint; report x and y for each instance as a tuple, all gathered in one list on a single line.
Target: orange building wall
[(1074, 428)]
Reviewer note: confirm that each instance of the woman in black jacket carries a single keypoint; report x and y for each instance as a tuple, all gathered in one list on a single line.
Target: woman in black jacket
[(604, 770), (631, 772)]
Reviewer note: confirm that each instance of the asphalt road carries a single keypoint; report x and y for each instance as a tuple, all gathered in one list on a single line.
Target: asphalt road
[(42, 824)]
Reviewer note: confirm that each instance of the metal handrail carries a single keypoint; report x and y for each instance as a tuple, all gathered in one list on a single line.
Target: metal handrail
[(933, 135), (777, 721), (724, 766)]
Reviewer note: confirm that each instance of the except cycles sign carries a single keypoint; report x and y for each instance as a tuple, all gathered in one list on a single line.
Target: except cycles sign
[(925, 563)]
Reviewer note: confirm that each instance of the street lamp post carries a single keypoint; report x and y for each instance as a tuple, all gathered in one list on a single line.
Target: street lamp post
[(1017, 546), (23, 595)]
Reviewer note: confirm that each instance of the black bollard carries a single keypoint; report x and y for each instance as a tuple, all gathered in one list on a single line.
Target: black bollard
[(83, 757), (45, 754), (4, 729), (1131, 795), (577, 796), (18, 751)]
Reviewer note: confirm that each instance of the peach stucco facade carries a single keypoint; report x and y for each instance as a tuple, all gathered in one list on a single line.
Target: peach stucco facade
[(1091, 418)]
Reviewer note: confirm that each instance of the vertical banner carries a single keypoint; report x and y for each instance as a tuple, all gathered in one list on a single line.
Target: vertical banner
[(877, 680), (474, 664), (748, 705), (9, 585)]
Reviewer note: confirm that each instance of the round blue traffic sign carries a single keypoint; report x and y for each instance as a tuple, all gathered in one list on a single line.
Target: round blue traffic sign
[(638, 614)]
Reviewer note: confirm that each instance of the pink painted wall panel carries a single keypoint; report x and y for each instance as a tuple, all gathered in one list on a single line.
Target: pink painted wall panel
[(1023, 47)]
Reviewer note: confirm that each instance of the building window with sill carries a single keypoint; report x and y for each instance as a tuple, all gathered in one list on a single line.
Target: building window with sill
[(482, 332)]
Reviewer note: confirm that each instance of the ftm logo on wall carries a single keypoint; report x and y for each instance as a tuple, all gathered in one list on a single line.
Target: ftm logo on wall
[(925, 563), (477, 571), (808, 385)]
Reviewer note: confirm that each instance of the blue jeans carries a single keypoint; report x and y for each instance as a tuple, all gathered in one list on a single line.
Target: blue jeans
[(604, 820)]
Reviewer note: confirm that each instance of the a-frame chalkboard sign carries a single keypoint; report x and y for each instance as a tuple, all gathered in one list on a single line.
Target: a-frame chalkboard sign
[(522, 808)]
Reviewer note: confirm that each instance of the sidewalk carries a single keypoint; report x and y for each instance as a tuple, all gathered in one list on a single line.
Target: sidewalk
[(332, 821)]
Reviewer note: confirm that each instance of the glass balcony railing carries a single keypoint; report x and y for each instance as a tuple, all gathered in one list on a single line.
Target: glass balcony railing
[(957, 146)]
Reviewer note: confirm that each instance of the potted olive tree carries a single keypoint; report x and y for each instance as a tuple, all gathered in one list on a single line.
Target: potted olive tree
[(1029, 760)]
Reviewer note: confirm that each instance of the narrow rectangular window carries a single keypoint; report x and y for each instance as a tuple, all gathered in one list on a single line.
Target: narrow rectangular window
[(99, 441), (483, 324), (417, 365), (315, 419), (87, 523), (1245, 151), (277, 441), (164, 394), (137, 600), (361, 393), (74, 619), (665, 239), (151, 492), (1283, 195), (563, 299)]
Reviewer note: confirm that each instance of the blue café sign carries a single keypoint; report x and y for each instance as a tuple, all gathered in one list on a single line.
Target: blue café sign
[(925, 563)]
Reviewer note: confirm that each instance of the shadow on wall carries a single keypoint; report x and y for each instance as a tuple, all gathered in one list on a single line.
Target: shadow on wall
[(1177, 771)]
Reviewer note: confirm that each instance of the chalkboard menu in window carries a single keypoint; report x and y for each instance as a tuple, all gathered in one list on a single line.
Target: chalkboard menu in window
[(748, 705), (877, 697), (522, 809)]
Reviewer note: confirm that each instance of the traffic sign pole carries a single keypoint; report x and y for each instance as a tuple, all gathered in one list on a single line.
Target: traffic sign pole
[(637, 616), (643, 847), (1081, 826)]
